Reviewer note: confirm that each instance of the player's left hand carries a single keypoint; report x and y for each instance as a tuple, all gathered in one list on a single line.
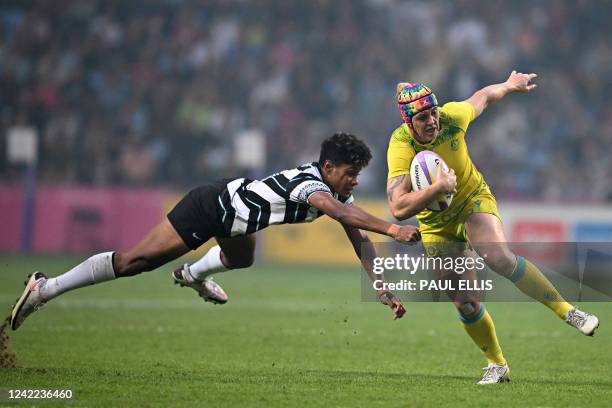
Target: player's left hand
[(519, 82), (389, 299), (405, 234)]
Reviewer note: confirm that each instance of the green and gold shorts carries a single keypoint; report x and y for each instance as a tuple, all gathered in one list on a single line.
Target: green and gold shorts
[(437, 239)]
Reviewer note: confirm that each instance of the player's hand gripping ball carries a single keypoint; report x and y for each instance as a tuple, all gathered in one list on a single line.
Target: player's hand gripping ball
[(423, 171)]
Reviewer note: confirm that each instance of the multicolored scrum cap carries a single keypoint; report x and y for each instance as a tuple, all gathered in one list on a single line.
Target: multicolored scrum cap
[(414, 98)]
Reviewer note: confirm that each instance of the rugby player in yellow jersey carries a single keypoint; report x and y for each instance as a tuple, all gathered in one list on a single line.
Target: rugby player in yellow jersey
[(472, 217)]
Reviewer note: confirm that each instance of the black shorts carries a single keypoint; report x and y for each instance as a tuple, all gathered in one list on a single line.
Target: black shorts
[(197, 217)]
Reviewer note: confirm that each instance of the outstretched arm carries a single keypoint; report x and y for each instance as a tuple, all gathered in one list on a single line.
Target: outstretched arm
[(516, 82), (354, 216), (366, 253)]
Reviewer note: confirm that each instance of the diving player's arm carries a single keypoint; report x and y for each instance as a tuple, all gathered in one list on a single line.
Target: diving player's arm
[(366, 253), (405, 203), (356, 217), (516, 82)]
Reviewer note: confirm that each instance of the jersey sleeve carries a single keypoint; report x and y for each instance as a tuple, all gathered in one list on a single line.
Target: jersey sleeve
[(301, 192), (458, 114), (399, 157)]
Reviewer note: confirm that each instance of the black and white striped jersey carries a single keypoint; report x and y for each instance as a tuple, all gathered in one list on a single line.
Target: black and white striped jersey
[(282, 198)]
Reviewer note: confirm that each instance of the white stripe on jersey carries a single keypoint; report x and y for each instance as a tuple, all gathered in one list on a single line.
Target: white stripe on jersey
[(277, 202), (291, 173)]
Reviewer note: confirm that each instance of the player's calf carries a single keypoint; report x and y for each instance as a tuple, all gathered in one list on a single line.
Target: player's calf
[(231, 253), (242, 262), (128, 265)]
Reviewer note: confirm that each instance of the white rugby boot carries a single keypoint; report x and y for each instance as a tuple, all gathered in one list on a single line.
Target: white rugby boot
[(30, 300), (208, 289), (585, 322), (495, 374)]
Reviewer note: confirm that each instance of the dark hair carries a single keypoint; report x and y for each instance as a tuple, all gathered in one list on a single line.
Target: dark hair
[(344, 148)]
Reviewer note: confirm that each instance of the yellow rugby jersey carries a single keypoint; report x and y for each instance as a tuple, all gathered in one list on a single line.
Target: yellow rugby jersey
[(455, 118)]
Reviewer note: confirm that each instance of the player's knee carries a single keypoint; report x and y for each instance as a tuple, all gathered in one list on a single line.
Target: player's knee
[(469, 309), (501, 261)]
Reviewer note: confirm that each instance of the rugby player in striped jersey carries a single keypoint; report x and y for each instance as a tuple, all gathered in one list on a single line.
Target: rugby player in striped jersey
[(231, 211)]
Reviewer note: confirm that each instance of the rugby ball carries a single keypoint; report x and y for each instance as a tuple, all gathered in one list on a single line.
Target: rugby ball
[(423, 174)]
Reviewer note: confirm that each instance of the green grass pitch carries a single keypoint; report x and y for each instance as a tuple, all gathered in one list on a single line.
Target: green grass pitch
[(290, 336)]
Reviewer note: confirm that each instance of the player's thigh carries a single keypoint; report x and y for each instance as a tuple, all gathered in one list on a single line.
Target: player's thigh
[(480, 219), (486, 235), (484, 228), (239, 251), (160, 246)]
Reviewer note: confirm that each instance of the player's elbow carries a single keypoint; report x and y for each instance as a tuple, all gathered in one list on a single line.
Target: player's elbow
[(402, 216), (400, 213), (397, 214)]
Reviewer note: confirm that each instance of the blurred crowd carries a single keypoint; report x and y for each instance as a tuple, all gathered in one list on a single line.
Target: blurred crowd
[(159, 92)]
